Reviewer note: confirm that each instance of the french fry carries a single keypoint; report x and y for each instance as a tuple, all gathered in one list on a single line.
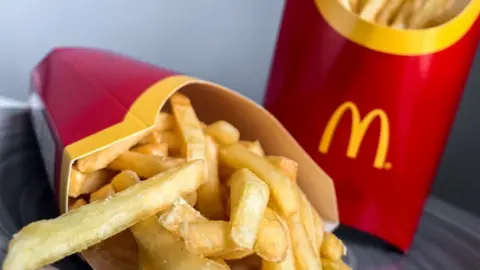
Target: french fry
[(272, 241), (143, 165), (388, 12), (189, 127), (157, 149), (124, 180), (371, 9), (249, 197), (210, 239), (164, 251), (286, 165), (104, 192), (282, 189), (430, 9), (305, 257), (319, 229), (254, 147), (164, 121), (223, 132), (191, 198), (287, 264), (332, 247), (308, 220), (78, 203), (402, 19), (209, 201), (85, 183), (100, 159), (44, 242), (179, 213)]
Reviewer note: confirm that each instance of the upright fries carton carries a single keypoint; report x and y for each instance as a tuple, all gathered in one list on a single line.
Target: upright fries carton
[(84, 100), (372, 104)]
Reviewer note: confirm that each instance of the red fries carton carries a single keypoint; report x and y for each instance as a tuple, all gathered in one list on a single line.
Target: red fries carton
[(372, 105), (84, 100)]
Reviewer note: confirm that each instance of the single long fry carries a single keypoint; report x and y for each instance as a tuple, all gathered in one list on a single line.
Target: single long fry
[(85, 183), (189, 126), (44, 242), (179, 213), (164, 251), (371, 9), (100, 159), (104, 192), (157, 149), (282, 189), (125, 180), (286, 165), (249, 198), (272, 241), (308, 220), (143, 165), (254, 147), (332, 247), (223, 132), (209, 201), (305, 257)]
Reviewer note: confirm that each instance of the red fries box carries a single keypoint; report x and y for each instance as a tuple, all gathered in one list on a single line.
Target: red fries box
[(84, 100), (373, 105)]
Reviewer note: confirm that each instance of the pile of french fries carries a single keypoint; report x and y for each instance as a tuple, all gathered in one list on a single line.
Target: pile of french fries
[(194, 196), (401, 14)]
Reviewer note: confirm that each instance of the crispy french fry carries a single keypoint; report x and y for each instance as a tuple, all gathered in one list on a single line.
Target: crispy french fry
[(44, 242), (282, 189), (191, 198), (272, 240), (144, 166), (78, 203), (210, 239), (164, 251), (334, 265), (223, 132), (332, 247), (319, 230), (189, 127), (209, 201), (101, 158), (157, 149), (287, 264), (85, 183), (254, 147), (179, 213), (124, 180), (305, 257), (308, 220), (104, 192), (286, 165), (249, 197), (388, 12), (164, 121)]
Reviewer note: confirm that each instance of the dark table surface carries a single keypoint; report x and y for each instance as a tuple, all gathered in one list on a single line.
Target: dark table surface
[(447, 238)]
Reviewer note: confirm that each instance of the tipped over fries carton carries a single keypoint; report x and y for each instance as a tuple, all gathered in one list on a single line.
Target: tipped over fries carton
[(370, 90), (91, 106)]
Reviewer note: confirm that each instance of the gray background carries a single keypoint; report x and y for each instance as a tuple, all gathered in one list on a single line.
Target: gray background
[(229, 42)]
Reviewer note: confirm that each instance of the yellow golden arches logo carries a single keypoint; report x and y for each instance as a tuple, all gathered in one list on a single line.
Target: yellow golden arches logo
[(358, 130)]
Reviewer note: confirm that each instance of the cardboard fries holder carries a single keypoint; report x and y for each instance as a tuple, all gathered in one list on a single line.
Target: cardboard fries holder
[(84, 100)]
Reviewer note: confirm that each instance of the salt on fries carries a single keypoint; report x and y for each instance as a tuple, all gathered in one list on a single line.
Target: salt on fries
[(401, 14), (194, 196)]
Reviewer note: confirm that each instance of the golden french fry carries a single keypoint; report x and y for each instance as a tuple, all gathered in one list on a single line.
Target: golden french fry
[(305, 257), (334, 265), (332, 248), (319, 230), (404, 14), (223, 132), (101, 158), (210, 238), (44, 242), (85, 183), (164, 251), (144, 166), (286, 165), (308, 220), (249, 197), (78, 203), (189, 126), (157, 149), (191, 198), (253, 146), (164, 121), (272, 240), (104, 192), (179, 213), (287, 264), (371, 9), (388, 12), (282, 189), (124, 180), (209, 201)]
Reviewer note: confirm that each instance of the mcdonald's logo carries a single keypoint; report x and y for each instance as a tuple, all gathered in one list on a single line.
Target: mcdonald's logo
[(358, 130)]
